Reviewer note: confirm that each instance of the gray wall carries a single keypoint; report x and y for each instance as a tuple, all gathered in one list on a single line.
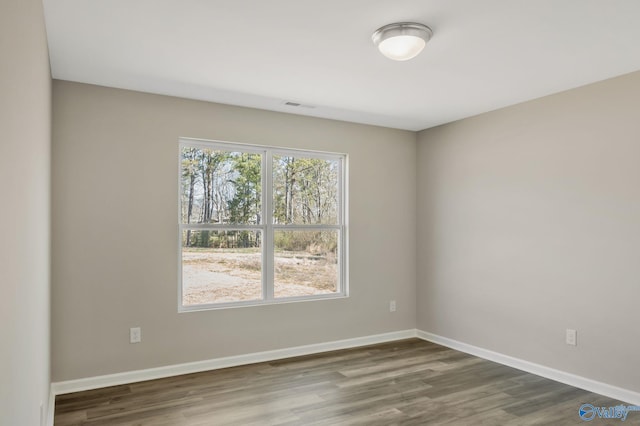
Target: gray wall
[(115, 156), (25, 122), (529, 223)]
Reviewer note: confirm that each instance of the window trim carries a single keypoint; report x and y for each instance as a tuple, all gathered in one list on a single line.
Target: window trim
[(267, 228)]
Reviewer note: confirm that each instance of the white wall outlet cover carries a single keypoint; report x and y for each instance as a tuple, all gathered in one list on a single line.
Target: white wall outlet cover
[(135, 335), (571, 337)]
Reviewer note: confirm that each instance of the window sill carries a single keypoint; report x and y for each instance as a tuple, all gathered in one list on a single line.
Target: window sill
[(254, 303)]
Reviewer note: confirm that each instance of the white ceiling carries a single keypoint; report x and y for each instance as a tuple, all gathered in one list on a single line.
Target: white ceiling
[(483, 55)]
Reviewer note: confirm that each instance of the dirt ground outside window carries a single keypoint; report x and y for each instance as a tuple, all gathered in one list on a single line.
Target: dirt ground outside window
[(229, 275)]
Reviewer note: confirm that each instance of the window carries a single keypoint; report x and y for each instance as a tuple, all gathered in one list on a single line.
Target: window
[(259, 225)]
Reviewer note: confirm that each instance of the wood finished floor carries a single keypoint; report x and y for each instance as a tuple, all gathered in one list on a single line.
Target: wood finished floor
[(410, 382)]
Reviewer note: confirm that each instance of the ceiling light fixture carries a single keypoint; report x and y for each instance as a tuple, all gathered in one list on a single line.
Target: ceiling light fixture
[(402, 41)]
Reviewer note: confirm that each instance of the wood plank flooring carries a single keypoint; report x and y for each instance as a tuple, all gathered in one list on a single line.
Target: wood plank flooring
[(411, 382)]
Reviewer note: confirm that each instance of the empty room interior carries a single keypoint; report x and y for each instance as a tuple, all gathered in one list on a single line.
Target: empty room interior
[(278, 213)]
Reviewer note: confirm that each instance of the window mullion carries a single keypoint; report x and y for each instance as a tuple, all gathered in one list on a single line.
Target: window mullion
[(267, 204), (309, 227)]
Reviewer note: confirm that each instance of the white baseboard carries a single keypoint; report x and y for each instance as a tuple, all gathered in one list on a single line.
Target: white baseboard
[(58, 388), (537, 369)]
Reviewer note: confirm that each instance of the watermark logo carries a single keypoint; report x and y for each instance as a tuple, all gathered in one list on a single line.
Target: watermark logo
[(588, 412)]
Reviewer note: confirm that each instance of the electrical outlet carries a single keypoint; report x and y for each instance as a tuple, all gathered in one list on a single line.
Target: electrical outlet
[(135, 335), (572, 337), (392, 305)]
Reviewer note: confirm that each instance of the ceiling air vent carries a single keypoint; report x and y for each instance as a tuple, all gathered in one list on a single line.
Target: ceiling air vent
[(297, 105)]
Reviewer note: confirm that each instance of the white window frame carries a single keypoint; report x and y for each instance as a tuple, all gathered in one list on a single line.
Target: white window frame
[(267, 227)]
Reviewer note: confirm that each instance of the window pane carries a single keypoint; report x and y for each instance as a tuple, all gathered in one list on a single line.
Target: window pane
[(221, 266), (220, 186), (305, 190), (306, 263)]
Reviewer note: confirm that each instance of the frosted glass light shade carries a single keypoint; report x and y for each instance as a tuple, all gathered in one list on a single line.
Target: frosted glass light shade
[(401, 48), (402, 41)]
